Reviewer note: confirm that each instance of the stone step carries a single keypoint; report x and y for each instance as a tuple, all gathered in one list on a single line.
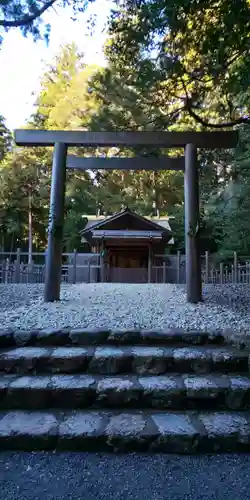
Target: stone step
[(176, 392), (126, 359), (167, 432), (85, 337)]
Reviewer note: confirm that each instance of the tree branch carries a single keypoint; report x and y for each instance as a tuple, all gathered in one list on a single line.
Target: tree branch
[(26, 19), (205, 123), (189, 108)]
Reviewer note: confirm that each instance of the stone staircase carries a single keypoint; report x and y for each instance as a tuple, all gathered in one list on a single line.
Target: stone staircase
[(172, 391)]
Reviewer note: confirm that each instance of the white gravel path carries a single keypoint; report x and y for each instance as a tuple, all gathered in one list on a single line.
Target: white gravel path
[(125, 306)]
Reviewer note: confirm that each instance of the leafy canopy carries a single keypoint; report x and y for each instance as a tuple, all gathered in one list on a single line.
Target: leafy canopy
[(192, 48)]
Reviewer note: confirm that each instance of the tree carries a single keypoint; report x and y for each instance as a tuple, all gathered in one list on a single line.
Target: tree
[(5, 138), (229, 209), (23, 175), (26, 14), (193, 48), (65, 102)]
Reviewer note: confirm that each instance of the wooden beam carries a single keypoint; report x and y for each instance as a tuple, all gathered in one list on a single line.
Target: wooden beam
[(135, 163), (208, 140)]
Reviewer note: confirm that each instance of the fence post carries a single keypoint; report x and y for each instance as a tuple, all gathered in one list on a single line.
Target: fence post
[(74, 266), (22, 273), (221, 273), (149, 264), (89, 271), (178, 266), (30, 276), (7, 263), (240, 274), (232, 273), (17, 266), (164, 272), (235, 267), (206, 267)]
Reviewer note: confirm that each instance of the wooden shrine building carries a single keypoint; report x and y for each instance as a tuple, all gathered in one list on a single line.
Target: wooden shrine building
[(130, 246)]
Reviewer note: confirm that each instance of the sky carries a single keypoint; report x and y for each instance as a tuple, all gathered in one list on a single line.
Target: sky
[(23, 61)]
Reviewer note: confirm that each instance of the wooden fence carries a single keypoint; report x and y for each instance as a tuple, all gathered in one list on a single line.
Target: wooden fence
[(14, 269)]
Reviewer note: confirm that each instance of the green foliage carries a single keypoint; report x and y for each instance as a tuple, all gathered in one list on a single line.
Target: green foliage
[(23, 174), (26, 15), (230, 210), (134, 92), (64, 102), (5, 138), (189, 48)]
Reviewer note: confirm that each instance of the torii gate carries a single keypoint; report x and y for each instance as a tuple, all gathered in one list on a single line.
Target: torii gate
[(61, 140)]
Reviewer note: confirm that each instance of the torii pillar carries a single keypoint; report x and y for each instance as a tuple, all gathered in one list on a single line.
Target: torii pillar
[(55, 226), (192, 216)]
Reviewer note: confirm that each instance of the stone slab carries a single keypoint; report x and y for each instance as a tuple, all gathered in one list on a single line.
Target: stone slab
[(240, 382), (7, 338), (229, 359), (70, 359), (93, 336), (170, 432), (169, 424), (72, 391), (28, 431), (238, 396), (124, 337), (82, 390), (161, 383), (5, 382), (81, 424), (118, 392), (162, 392), (117, 384), (24, 359), (82, 337), (67, 382), (25, 352), (227, 431), (126, 425), (221, 424), (206, 359), (202, 386), (109, 360), (28, 392), (22, 338), (52, 337), (192, 360), (176, 433), (29, 382), (151, 360), (83, 431), (191, 353)]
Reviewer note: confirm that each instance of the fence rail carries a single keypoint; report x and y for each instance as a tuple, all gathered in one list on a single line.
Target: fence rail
[(93, 270)]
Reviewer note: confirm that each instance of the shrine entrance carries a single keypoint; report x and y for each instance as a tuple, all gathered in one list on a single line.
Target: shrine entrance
[(61, 140)]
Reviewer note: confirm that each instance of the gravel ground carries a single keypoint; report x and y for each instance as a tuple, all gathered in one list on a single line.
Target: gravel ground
[(126, 306), (48, 476)]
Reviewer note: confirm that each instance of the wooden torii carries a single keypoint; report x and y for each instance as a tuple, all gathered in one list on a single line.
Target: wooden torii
[(61, 140)]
